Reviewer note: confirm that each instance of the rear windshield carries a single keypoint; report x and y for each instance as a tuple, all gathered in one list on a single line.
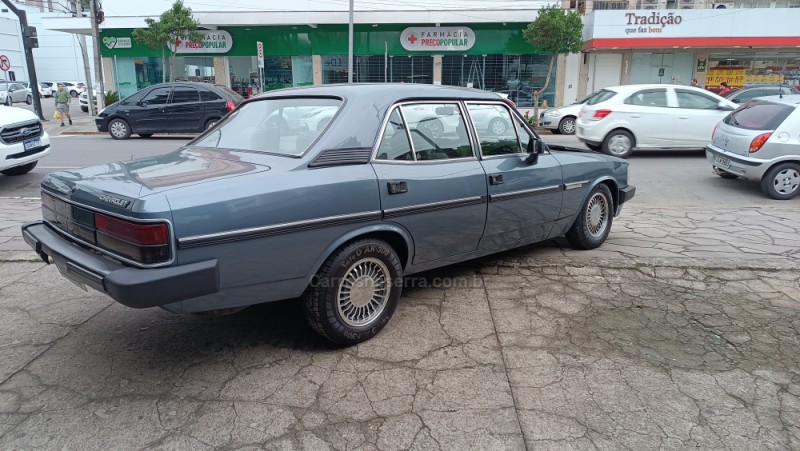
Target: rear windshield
[(235, 95), (278, 126), (600, 96), (758, 115)]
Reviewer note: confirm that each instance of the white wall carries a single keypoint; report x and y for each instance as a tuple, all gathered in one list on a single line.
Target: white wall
[(58, 57)]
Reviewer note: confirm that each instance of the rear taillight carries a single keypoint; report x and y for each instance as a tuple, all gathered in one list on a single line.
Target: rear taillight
[(714, 133), (143, 242), (230, 106), (758, 142), (600, 114)]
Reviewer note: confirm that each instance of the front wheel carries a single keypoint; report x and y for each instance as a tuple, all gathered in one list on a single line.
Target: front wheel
[(210, 123), (567, 126), (19, 170), (619, 143), (593, 223), (782, 181), (8, 101), (29, 100), (119, 129), (354, 293)]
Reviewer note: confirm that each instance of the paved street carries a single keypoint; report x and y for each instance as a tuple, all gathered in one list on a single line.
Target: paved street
[(681, 331)]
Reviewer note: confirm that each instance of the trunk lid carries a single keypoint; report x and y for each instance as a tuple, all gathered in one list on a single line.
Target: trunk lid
[(737, 130), (121, 184)]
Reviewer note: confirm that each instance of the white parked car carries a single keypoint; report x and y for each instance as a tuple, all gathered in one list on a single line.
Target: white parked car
[(760, 141), (621, 119), (83, 100), (12, 92), (45, 89), (561, 120), (75, 88), (23, 141)]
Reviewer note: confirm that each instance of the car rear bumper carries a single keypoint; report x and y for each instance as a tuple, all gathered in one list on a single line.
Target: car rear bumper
[(133, 287), (745, 167), (625, 194)]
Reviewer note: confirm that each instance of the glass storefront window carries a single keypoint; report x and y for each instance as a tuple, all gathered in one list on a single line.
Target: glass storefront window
[(279, 72), (516, 75), (752, 69), (379, 69)]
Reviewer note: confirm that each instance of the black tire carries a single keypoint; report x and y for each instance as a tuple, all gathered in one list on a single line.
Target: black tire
[(29, 100), (555, 131), (8, 100), (593, 147), (619, 143), (85, 109), (782, 181), (210, 123), (73, 94), (119, 129), (498, 126), (19, 170), (329, 308), (145, 135), (567, 126), (593, 223)]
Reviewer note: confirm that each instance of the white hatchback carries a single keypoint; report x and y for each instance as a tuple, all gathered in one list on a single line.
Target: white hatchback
[(621, 119)]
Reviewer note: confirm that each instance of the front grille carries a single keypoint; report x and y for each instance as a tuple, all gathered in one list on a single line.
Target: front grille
[(21, 132)]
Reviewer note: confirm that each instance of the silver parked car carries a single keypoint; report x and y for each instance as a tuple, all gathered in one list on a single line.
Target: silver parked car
[(253, 211), (12, 92), (760, 141)]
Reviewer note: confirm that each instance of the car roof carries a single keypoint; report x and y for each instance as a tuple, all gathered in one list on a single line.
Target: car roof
[(396, 91), (788, 99), (638, 87)]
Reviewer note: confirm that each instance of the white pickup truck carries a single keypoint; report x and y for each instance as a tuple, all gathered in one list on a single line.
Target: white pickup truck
[(23, 141)]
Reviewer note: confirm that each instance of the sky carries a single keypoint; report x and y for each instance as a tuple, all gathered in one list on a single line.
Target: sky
[(156, 7)]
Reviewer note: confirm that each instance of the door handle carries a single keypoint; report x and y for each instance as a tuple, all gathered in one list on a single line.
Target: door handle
[(397, 187), (496, 179), (683, 117), (635, 116)]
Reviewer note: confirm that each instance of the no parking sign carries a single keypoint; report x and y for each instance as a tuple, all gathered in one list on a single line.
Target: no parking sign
[(5, 63)]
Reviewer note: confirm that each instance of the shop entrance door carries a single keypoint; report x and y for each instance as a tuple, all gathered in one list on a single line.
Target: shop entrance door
[(671, 68)]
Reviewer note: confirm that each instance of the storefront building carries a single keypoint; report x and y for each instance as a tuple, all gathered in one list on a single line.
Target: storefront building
[(490, 55), (742, 47)]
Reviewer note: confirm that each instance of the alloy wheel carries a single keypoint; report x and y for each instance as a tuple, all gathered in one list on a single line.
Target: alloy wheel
[(597, 212), (619, 145), (363, 292), (786, 181), (119, 129)]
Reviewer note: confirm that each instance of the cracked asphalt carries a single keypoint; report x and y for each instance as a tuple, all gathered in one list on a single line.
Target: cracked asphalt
[(682, 331)]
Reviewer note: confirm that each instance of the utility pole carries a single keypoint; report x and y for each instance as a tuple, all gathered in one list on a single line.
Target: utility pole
[(87, 72), (350, 45), (98, 60), (29, 40)]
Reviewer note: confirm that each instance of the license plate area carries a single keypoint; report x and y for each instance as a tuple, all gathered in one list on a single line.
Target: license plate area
[(29, 144), (62, 268), (722, 162)]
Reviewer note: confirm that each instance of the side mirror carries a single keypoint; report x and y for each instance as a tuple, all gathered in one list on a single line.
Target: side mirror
[(535, 147)]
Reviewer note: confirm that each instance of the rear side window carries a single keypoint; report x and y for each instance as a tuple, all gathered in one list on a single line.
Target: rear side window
[(184, 95), (235, 96), (438, 131), (209, 96), (759, 115), (649, 97), (600, 96)]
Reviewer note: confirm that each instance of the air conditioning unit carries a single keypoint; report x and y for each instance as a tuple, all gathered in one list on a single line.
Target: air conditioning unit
[(650, 7), (687, 6), (722, 5), (647, 2)]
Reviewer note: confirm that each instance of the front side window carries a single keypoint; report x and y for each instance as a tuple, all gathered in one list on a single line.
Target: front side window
[(496, 133), (695, 101), (649, 97), (438, 131), (277, 126), (158, 96)]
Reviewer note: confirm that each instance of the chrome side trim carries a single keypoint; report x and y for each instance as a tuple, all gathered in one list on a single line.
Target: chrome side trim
[(433, 206), (576, 185), (275, 229), (524, 193)]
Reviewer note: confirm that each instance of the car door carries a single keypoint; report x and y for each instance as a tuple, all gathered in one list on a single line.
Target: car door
[(18, 93), (524, 199), (185, 111), (698, 114), (431, 183), (648, 113), (150, 113)]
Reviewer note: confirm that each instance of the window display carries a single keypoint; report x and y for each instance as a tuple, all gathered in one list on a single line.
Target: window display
[(752, 69)]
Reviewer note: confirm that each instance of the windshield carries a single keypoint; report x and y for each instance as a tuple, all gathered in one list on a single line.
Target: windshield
[(279, 126), (758, 115), (600, 96)]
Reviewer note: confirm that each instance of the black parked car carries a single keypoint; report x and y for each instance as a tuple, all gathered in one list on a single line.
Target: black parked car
[(168, 108), (745, 94)]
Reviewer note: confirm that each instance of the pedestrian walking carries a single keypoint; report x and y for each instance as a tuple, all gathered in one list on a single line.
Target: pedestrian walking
[(694, 82), (62, 103)]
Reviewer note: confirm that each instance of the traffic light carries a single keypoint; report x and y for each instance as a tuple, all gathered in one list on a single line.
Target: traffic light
[(31, 38)]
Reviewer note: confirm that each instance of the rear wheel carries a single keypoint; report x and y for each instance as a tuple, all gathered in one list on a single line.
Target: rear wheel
[(119, 129), (19, 170), (210, 123), (354, 294), (29, 99), (593, 223), (85, 109), (567, 126), (73, 94), (619, 143), (782, 181)]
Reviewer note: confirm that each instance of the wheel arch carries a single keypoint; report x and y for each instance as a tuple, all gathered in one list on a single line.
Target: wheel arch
[(612, 186), (393, 234)]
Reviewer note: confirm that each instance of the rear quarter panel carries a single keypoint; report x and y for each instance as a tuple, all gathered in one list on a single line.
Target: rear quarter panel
[(588, 169)]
